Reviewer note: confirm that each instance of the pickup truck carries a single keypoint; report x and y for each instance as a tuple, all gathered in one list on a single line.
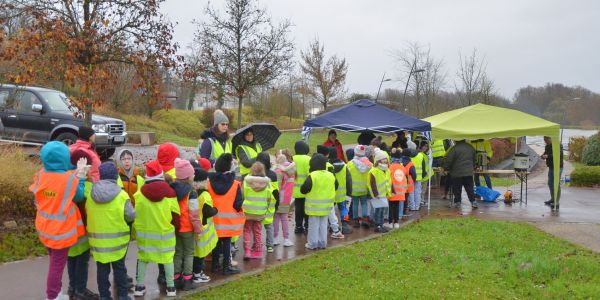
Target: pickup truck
[(38, 115)]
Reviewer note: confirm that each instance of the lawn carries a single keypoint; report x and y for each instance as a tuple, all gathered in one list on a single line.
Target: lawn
[(20, 243), (461, 258)]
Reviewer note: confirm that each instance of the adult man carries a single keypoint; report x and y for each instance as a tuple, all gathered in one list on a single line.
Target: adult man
[(550, 164), (460, 162)]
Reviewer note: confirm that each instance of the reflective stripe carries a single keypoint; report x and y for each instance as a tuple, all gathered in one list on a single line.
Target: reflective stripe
[(37, 183), (359, 189), (66, 199), (57, 217), (229, 215), (110, 249), (107, 235), (397, 186), (256, 207), (208, 241), (318, 208), (228, 227), (318, 201), (58, 237), (155, 249), (82, 239), (256, 198), (155, 236)]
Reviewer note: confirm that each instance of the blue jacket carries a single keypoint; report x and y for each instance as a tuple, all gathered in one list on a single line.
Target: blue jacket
[(57, 158)]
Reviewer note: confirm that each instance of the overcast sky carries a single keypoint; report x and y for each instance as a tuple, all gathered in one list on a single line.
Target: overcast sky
[(524, 42)]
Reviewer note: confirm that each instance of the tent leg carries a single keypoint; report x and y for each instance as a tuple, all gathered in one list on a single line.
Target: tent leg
[(429, 194)]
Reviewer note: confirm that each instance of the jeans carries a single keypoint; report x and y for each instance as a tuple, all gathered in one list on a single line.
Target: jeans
[(198, 264), (223, 248), (488, 180), (119, 275), (58, 261), (378, 216), (551, 183), (77, 267), (359, 201), (269, 233), (458, 183), (300, 216), (414, 200)]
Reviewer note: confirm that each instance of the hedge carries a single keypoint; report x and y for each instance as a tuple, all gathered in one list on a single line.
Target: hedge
[(586, 176)]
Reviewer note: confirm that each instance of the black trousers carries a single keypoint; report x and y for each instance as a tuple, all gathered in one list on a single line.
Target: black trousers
[(458, 183), (300, 217), (394, 213)]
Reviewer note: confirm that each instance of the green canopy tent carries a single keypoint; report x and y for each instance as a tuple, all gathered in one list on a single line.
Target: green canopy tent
[(482, 121)]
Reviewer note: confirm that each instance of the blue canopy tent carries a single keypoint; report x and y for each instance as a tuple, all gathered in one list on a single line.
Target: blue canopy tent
[(363, 115)]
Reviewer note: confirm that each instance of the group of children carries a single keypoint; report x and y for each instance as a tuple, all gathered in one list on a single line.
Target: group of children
[(181, 211)]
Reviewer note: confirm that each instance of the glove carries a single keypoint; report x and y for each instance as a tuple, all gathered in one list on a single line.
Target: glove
[(82, 169)]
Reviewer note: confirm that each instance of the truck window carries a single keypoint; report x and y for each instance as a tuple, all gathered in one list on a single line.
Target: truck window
[(25, 100), (4, 99)]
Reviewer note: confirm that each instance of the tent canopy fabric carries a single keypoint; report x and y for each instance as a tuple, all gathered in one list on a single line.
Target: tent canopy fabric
[(363, 115), (482, 121)]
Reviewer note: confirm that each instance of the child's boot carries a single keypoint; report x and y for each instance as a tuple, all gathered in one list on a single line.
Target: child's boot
[(188, 283), (247, 253), (256, 254), (178, 279)]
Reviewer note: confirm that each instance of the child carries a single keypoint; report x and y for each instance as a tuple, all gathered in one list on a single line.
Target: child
[(411, 174), (285, 171), (257, 197), (301, 160), (344, 179), (421, 164), (359, 168), (319, 188), (79, 254), (399, 186), (109, 211), (265, 159), (333, 221), (379, 188), (57, 220), (226, 194), (207, 240), (130, 177), (190, 224), (156, 222), (166, 155)]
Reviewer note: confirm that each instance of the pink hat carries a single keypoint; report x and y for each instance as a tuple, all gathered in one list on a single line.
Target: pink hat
[(183, 169)]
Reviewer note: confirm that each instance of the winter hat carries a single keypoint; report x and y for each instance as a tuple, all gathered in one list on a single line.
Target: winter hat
[(223, 163), (219, 117), (166, 155), (204, 164), (323, 150), (183, 168), (200, 174), (379, 155), (154, 170), (349, 154), (318, 162), (77, 154), (333, 153), (108, 170), (360, 150), (265, 159), (85, 133), (301, 147)]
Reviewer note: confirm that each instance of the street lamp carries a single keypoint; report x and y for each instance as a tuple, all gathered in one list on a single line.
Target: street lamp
[(412, 71), (383, 79), (562, 122)]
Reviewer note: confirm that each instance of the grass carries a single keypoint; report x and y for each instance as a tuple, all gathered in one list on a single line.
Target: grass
[(15, 199), (20, 244), (502, 181), (462, 258)]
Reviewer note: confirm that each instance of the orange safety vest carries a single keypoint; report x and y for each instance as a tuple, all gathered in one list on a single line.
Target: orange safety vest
[(58, 221), (411, 181), (228, 221), (185, 225), (399, 182)]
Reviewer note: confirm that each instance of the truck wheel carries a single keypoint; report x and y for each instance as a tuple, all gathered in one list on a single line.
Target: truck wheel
[(68, 138), (105, 154)]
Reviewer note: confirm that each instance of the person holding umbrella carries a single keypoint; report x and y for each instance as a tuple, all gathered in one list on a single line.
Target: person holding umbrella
[(247, 151), (216, 139)]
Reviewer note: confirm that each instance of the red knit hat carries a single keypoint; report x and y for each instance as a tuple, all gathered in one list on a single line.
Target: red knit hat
[(204, 163), (153, 168)]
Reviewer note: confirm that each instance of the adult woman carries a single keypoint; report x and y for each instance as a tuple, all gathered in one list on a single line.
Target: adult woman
[(247, 151), (332, 141), (216, 139)]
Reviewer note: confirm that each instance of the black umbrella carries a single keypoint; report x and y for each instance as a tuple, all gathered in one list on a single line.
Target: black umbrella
[(264, 133)]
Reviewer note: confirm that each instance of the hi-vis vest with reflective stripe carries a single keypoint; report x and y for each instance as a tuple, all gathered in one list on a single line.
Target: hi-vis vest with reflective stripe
[(399, 182), (58, 221), (256, 203), (382, 181), (319, 200), (359, 180), (411, 181), (108, 232), (82, 244), (208, 240), (274, 186), (217, 149), (437, 149), (250, 153), (228, 221), (155, 235), (302, 166), (340, 193), (418, 163)]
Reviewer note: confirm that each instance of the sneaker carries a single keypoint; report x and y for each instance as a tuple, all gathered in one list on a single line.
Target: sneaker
[(379, 229), (384, 229), (474, 205), (86, 295), (201, 277), (276, 242), (337, 235), (230, 270), (233, 262), (270, 249), (396, 225), (171, 291), (549, 202), (139, 290), (307, 246), (288, 243), (299, 230)]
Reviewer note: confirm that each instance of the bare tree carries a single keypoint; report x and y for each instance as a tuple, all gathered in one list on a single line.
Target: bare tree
[(472, 77), (243, 48), (327, 76)]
